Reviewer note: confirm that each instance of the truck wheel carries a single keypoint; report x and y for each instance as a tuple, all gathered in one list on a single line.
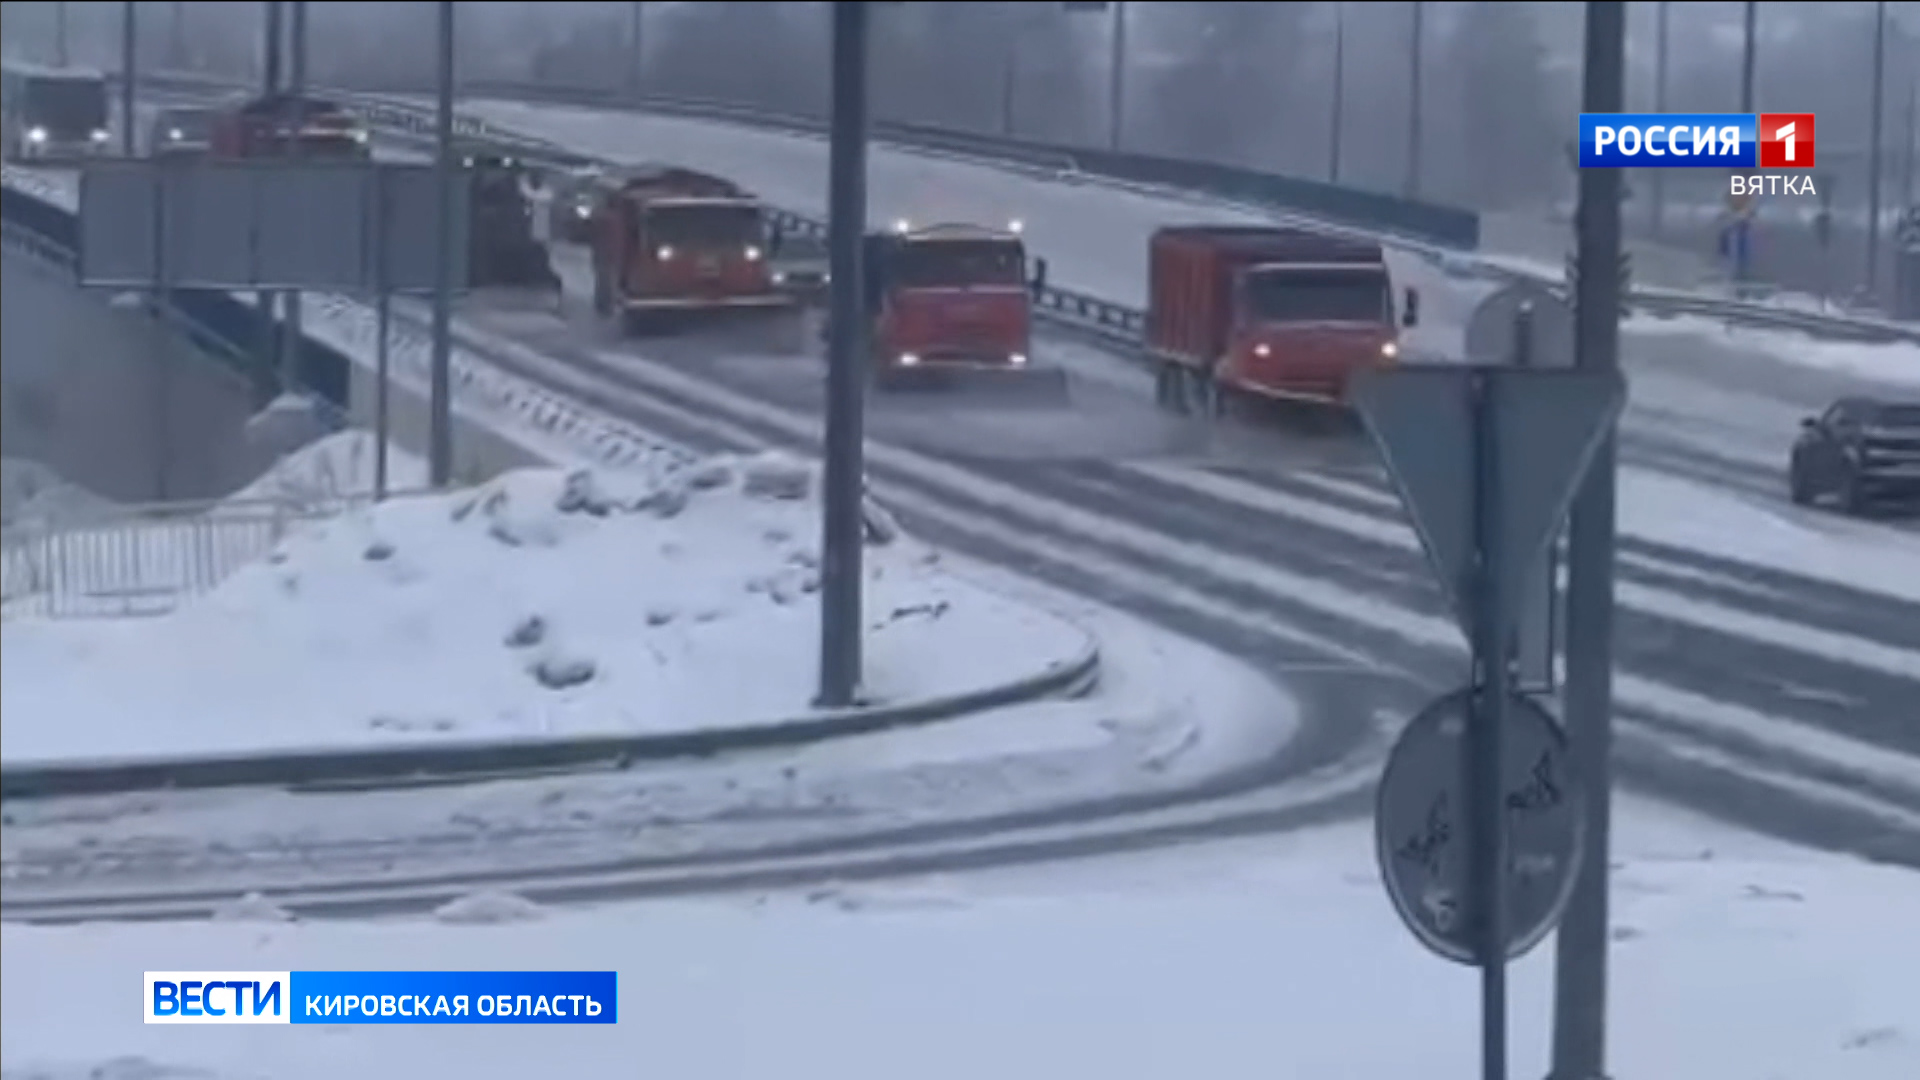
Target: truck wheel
[(602, 297)]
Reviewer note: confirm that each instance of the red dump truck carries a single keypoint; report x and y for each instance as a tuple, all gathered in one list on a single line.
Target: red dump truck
[(1269, 311), (278, 124), (951, 304), (675, 242)]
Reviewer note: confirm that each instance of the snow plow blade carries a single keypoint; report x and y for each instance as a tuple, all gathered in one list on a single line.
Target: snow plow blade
[(1024, 385)]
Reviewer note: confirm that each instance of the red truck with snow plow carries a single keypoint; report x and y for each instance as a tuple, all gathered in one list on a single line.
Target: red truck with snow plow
[(1268, 311), (952, 304), (670, 241)]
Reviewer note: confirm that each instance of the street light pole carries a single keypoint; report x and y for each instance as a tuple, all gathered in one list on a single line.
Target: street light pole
[(844, 476), (1873, 152), (1659, 192), (1117, 78), (440, 374), (1416, 105), (1742, 244), (1338, 120)]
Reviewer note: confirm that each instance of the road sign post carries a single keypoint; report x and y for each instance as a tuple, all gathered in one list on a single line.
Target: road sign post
[(1486, 458)]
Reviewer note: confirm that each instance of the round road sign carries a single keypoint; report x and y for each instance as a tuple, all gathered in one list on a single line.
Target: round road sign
[(1491, 331), (1423, 827)]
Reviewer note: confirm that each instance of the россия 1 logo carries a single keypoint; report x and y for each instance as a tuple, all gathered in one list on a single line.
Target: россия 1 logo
[(1697, 140), (1706, 141)]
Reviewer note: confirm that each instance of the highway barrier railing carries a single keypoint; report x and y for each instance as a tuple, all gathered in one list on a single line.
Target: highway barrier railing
[(397, 114)]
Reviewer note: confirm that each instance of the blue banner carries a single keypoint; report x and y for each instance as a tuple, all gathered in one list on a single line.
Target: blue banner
[(1669, 140), (454, 997)]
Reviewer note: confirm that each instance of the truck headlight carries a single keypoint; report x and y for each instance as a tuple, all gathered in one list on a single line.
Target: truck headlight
[(1017, 359), (175, 134), (1389, 350), (581, 210), (753, 253), (1263, 350), (37, 135), (98, 135), (908, 359), (359, 136), (663, 252)]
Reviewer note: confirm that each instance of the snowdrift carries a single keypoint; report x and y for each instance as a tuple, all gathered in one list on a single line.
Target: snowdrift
[(545, 602)]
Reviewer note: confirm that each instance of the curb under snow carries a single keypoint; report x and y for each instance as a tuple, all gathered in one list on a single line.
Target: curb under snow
[(418, 764)]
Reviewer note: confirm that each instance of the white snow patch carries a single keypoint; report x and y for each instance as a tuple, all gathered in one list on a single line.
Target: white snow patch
[(1273, 956), (543, 603), (253, 907), (489, 908), (340, 466)]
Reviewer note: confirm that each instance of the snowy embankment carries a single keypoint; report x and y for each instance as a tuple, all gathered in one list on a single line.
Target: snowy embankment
[(544, 603), (1733, 959), (334, 468)]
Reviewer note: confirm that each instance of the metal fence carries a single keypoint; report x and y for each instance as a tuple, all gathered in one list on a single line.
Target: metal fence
[(141, 560)]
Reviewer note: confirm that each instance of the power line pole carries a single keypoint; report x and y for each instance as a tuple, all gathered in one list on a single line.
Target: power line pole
[(440, 423), (1338, 119), (1416, 105), (1580, 965), (60, 33), (1873, 153)]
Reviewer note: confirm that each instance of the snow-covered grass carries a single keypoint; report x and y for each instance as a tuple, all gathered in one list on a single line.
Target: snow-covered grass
[(543, 603), (1733, 959), (336, 467)]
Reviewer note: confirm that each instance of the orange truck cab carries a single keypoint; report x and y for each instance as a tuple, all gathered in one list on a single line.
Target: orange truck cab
[(1270, 311), (948, 297), (671, 241)]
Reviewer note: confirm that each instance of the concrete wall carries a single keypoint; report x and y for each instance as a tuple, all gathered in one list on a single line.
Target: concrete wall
[(80, 379)]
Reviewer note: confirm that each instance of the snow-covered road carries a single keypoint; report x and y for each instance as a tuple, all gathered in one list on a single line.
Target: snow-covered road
[(1733, 959)]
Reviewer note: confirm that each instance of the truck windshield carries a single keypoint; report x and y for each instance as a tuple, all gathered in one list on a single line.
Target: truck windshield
[(66, 106), (1358, 295), (956, 264), (717, 226)]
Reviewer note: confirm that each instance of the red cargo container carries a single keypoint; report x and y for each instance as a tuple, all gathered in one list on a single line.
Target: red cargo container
[(1275, 312)]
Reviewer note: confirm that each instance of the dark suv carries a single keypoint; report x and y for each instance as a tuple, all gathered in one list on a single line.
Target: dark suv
[(1860, 453)]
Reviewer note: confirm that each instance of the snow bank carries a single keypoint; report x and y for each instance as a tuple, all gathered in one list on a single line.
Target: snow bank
[(337, 467), (1265, 958), (1862, 555), (1893, 362), (543, 603)]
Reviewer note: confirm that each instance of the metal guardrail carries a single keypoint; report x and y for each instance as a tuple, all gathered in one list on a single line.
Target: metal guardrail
[(145, 559), (1078, 310)]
